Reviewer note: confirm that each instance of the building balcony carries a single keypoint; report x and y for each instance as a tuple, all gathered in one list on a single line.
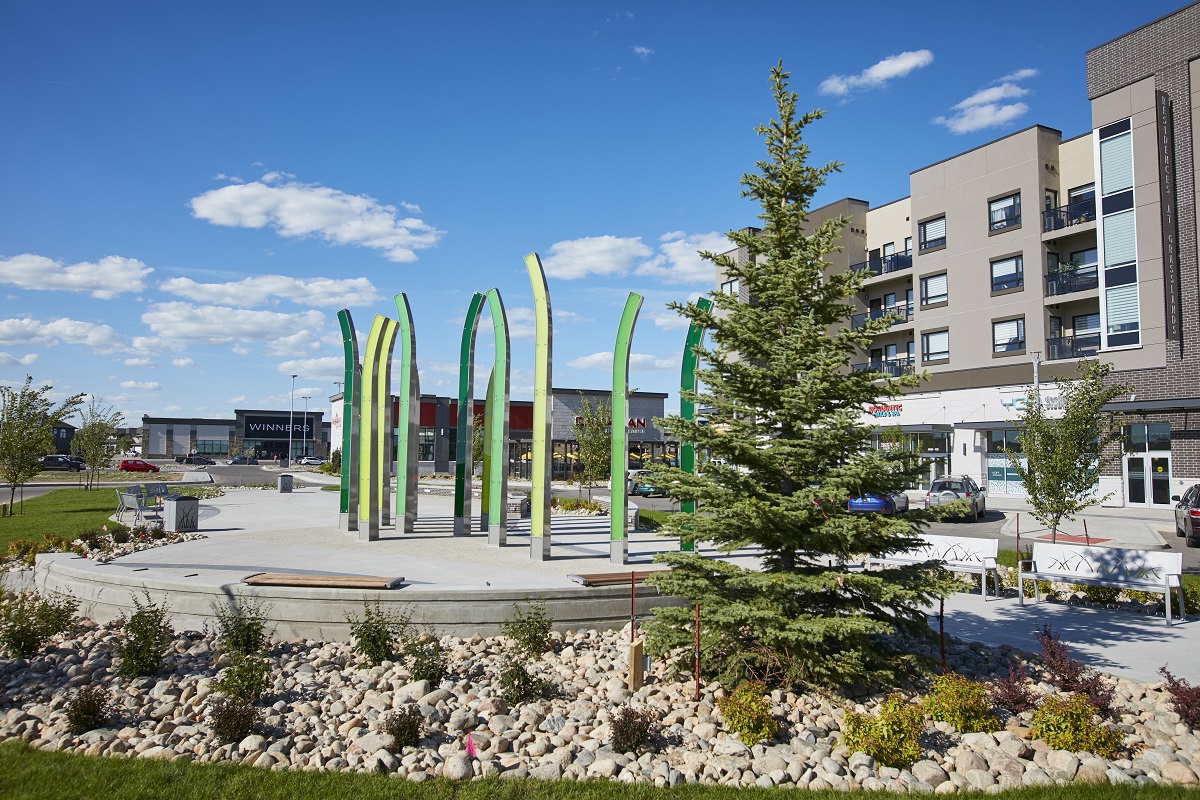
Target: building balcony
[(898, 314), (1064, 347), (1076, 213), (897, 262), (892, 366), (1080, 279)]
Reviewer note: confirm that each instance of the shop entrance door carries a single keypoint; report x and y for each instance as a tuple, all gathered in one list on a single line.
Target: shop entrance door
[(1148, 480)]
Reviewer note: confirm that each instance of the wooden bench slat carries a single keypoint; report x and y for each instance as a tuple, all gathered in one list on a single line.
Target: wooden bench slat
[(323, 581), (610, 578)]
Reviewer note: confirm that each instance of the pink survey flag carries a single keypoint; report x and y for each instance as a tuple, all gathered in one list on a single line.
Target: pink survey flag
[(470, 746)]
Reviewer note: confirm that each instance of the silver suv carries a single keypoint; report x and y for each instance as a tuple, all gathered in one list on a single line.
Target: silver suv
[(949, 488)]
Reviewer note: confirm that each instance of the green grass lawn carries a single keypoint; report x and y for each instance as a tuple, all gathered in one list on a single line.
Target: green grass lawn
[(62, 511), (104, 476), (31, 774)]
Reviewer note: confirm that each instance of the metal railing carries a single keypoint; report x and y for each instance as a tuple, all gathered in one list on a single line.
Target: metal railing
[(898, 314), (1077, 280), (879, 266), (1073, 346), (892, 366), (1071, 214)]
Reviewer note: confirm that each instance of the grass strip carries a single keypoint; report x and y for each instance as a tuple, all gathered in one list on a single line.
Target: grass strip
[(104, 476), (32, 774), (62, 511)]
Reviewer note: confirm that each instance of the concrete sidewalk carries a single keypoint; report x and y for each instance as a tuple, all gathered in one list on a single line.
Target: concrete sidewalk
[(1135, 528)]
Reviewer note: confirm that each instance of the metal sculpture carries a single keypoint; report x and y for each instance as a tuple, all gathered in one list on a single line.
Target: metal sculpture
[(687, 410), (495, 483), (618, 546), (351, 396), (539, 523), (375, 429), (464, 466), (408, 419)]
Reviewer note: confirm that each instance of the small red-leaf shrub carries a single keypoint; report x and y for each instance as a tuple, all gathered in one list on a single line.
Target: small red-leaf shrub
[(1185, 699), (1065, 671), (1012, 693)]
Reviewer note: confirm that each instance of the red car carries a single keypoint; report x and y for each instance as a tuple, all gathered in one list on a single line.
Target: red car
[(136, 465)]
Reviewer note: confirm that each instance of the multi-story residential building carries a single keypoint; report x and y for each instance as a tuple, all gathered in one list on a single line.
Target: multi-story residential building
[(1035, 248)]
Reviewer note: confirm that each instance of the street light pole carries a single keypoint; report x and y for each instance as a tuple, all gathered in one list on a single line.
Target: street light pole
[(304, 433), (291, 413)]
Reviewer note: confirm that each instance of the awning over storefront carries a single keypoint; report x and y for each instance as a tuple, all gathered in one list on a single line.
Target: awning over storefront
[(992, 425), (925, 428), (1178, 404)]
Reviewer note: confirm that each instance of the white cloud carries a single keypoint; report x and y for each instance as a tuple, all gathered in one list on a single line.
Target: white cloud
[(9, 360), (594, 255), (103, 279), (678, 259), (328, 368), (1019, 75), (637, 361), (669, 320), (147, 386), (172, 408), (299, 210), (283, 334), (877, 75), (100, 338), (182, 362), (142, 361), (233, 401), (643, 53), (985, 109), (259, 290)]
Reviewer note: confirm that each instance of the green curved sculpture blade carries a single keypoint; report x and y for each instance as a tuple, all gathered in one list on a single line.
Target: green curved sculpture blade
[(498, 422), (351, 395), (539, 527), (408, 418), (466, 412), (619, 467), (687, 409)]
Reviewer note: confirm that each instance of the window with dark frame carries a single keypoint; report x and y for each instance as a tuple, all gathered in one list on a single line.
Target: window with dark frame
[(730, 287), (1008, 273), (1008, 335), (935, 346), (1005, 212), (932, 233), (933, 289)]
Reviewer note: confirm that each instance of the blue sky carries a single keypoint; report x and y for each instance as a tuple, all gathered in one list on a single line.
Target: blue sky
[(190, 192)]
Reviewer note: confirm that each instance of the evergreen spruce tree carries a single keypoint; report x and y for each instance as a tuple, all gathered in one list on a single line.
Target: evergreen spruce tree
[(787, 445)]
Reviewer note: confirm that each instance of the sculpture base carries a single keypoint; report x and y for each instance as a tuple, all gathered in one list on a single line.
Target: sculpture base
[(539, 548), (618, 551)]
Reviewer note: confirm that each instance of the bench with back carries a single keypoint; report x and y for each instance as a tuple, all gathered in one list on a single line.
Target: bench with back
[(957, 554)]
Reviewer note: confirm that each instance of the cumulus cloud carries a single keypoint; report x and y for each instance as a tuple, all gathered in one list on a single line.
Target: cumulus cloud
[(233, 401), (103, 279), (678, 257), (1019, 75), (329, 368), (877, 75), (182, 362), (9, 360), (987, 108), (100, 338), (675, 260), (669, 320), (282, 334), (643, 53), (141, 361), (172, 408), (261, 289), (299, 210), (637, 361), (146, 386)]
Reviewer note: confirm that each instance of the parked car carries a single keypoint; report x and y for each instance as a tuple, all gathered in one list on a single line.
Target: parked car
[(885, 503), (64, 463), (644, 486), (200, 460), (1187, 516), (949, 488), (311, 461), (238, 460), (136, 465)]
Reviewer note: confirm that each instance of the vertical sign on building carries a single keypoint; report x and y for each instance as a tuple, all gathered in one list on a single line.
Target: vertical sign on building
[(1167, 208)]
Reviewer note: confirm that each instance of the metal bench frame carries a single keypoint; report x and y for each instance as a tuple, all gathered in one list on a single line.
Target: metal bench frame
[(133, 502), (957, 554)]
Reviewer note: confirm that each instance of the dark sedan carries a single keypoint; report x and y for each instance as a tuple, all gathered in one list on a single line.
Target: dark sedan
[(1187, 515)]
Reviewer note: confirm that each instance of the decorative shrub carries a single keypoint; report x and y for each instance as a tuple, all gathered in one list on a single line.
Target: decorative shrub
[(748, 713), (961, 702), (1098, 594), (243, 628), (1066, 723), (147, 634), (426, 657), (632, 729), (120, 536), (245, 677), (1014, 692), (29, 619), (376, 633), (891, 737), (27, 550), (1098, 693), (1191, 599), (89, 708), (231, 718), (1143, 597), (404, 724), (1064, 670), (518, 685), (1185, 699), (528, 631), (576, 504)]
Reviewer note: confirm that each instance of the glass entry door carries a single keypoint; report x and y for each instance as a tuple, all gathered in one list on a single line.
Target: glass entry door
[(1148, 480)]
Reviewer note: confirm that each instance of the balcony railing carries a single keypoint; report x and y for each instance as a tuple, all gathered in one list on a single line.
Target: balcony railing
[(1077, 280), (1071, 214), (1073, 346), (898, 314), (892, 366), (879, 266)]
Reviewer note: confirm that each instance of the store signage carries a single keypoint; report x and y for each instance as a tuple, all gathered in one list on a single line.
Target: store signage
[(633, 423), (1167, 211), (1019, 402), (274, 427), (886, 411)]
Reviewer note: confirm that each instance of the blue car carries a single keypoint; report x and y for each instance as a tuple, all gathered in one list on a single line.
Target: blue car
[(889, 503)]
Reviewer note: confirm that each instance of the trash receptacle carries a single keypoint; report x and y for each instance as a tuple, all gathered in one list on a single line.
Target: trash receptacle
[(181, 514), (285, 484)]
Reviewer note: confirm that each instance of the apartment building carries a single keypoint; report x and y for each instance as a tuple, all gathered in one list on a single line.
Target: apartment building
[(1035, 248)]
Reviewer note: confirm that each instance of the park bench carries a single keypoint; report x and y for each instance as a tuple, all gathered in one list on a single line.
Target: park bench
[(1122, 568), (130, 501), (322, 581), (957, 554), (609, 578)]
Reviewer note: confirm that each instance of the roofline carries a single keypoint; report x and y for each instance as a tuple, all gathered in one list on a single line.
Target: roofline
[(1080, 136), (1139, 27), (988, 144), (890, 202)]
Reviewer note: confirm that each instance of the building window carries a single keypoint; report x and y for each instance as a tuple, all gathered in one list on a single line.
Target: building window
[(932, 233), (1005, 212), (1005, 441), (908, 245), (933, 289), (730, 287), (1118, 238), (1008, 273), (935, 346), (1140, 438), (1008, 335), (425, 437)]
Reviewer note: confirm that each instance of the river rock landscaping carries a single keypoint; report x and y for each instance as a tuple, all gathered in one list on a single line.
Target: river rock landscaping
[(325, 709)]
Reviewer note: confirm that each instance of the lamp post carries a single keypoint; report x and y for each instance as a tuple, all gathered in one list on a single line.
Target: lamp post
[(304, 433), (291, 413)]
